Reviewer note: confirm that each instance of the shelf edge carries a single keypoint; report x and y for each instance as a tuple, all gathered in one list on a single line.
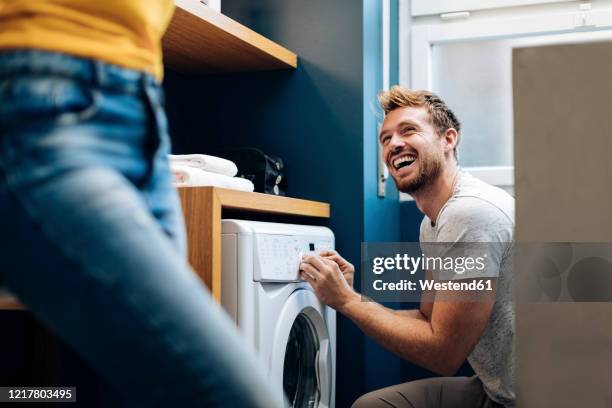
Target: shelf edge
[(238, 31), (267, 203)]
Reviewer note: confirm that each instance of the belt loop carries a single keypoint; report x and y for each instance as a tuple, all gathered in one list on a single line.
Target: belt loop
[(98, 79), (143, 82), (148, 89)]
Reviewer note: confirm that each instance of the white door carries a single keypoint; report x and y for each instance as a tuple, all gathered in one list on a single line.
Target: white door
[(302, 357)]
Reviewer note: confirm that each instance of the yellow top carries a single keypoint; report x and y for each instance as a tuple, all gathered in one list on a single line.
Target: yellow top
[(122, 32)]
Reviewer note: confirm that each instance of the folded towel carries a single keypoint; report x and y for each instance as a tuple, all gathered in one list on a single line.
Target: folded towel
[(205, 162), (186, 176)]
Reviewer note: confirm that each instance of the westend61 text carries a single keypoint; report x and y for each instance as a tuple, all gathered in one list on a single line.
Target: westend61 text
[(431, 284)]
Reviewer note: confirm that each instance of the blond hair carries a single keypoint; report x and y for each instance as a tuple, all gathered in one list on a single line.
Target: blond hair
[(442, 118)]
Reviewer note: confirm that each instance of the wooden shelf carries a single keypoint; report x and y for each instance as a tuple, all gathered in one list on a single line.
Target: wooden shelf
[(201, 40), (202, 207), (9, 302), (266, 203)]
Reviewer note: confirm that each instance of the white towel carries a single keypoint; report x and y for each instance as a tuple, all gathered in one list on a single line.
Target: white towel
[(186, 176), (212, 164)]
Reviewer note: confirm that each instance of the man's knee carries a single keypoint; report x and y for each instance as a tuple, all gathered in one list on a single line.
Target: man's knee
[(418, 393), (429, 392)]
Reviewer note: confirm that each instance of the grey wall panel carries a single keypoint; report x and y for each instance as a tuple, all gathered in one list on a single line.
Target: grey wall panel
[(563, 176)]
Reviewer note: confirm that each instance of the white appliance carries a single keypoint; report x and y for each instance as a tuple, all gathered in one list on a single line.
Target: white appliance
[(292, 331), (213, 4)]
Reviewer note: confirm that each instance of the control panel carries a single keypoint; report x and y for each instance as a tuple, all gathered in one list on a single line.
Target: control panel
[(277, 256)]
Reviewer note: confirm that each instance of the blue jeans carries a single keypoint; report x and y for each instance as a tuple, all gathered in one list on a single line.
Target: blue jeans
[(92, 237)]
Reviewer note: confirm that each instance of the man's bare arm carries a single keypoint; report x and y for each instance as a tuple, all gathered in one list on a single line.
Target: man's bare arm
[(439, 337), (426, 305)]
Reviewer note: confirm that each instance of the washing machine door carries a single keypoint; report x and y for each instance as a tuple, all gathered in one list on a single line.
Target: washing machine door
[(301, 358)]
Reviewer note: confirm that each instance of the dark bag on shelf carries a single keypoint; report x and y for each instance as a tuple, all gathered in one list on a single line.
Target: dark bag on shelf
[(264, 170)]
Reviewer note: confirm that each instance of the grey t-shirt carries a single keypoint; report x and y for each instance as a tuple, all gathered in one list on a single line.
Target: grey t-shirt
[(479, 212)]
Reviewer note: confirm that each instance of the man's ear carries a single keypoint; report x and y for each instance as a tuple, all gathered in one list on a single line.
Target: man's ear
[(451, 137)]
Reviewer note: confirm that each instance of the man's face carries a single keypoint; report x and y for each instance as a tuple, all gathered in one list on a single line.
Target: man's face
[(412, 150)]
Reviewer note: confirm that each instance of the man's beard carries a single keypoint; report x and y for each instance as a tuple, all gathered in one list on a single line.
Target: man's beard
[(429, 170)]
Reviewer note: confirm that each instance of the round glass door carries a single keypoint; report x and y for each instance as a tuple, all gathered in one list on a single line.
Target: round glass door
[(302, 359), (300, 378)]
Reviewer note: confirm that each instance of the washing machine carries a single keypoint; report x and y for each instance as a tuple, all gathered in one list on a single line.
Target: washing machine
[(293, 333)]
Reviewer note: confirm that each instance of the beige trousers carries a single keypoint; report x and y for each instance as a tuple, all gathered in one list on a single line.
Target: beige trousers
[(442, 392)]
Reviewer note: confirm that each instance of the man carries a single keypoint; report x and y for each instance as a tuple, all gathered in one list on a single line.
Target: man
[(419, 137)]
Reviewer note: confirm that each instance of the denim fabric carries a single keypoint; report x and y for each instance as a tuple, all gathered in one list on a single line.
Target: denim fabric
[(92, 237)]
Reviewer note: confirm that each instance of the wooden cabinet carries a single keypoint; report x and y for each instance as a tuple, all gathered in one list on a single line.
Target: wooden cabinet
[(203, 207)]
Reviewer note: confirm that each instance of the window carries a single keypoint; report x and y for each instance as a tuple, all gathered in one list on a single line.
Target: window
[(468, 62)]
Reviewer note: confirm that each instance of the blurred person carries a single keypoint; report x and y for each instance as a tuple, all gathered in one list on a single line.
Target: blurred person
[(92, 237)]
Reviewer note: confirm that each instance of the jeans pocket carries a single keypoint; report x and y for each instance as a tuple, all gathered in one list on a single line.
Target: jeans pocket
[(61, 101)]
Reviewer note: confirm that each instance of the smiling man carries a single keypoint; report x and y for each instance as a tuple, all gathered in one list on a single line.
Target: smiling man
[(419, 137)]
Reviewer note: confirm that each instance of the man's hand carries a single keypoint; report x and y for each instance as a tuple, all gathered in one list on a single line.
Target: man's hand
[(347, 268), (328, 282)]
